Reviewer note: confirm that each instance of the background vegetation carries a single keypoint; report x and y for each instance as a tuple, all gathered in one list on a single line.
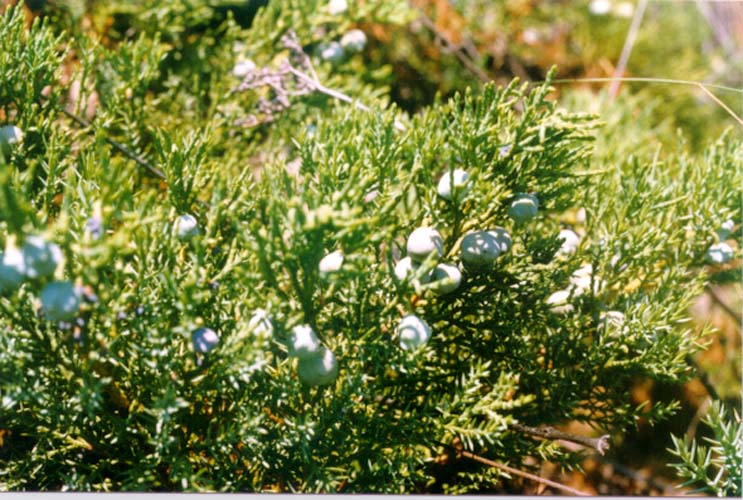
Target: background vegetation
[(132, 115)]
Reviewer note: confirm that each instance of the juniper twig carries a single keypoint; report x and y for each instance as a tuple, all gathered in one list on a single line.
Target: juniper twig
[(450, 47), (294, 77), (120, 147), (600, 444), (629, 42)]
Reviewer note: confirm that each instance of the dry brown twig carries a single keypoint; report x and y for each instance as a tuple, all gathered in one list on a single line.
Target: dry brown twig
[(629, 43), (600, 444), (517, 472), (451, 48), (294, 77), (156, 172)]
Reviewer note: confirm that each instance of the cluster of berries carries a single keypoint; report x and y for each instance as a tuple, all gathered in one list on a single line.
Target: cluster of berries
[(36, 262)]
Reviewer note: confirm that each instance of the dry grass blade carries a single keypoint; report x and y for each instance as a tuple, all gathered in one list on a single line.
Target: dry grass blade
[(526, 475), (629, 43), (703, 86)]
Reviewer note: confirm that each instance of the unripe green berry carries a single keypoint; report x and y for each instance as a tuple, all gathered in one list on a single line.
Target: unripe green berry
[(523, 208), (331, 263), (260, 323), (243, 67), (304, 342), (559, 302), (12, 269), (480, 249), (422, 242), (454, 185), (336, 7), (413, 332), (186, 226), (446, 278), (407, 268), (503, 238), (331, 51), (725, 229), (40, 257), (570, 243), (611, 320), (60, 300), (719, 253), (10, 135), (319, 369), (354, 40)]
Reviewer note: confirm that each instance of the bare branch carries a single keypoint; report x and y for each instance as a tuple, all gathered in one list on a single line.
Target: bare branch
[(527, 475), (600, 444), (294, 77), (453, 49), (629, 43), (123, 149), (725, 307)]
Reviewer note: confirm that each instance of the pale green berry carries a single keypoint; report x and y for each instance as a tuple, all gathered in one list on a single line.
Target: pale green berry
[(304, 342), (446, 278), (10, 135), (725, 229), (413, 332), (60, 300), (186, 226), (523, 208), (559, 302), (336, 7), (599, 7), (570, 241), (581, 280), (719, 253), (480, 249), (319, 369), (404, 268), (407, 268), (354, 40), (611, 320), (503, 238), (331, 51), (424, 241), (331, 263), (40, 257), (454, 185), (243, 68), (12, 269)]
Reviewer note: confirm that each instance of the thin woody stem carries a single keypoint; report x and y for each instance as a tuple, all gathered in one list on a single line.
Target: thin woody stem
[(600, 444), (316, 85), (728, 310), (325, 90), (629, 42), (703, 86), (123, 149), (703, 378), (526, 475), (468, 63)]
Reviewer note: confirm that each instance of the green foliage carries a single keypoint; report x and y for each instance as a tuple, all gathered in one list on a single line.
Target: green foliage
[(122, 399), (716, 468)]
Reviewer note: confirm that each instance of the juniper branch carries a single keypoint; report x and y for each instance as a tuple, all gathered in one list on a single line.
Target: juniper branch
[(600, 444), (304, 81), (725, 307), (450, 47), (120, 147)]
